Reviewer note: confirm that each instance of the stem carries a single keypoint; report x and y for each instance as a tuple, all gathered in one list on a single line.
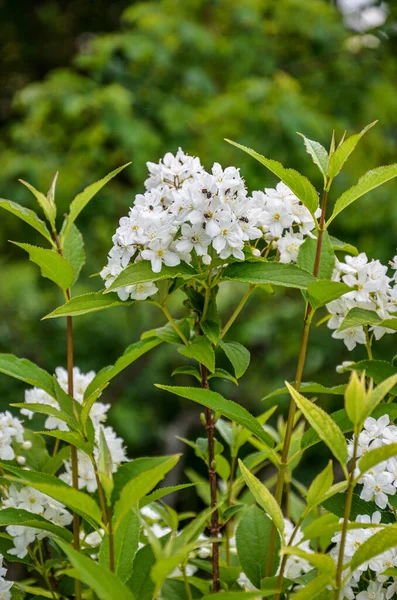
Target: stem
[(214, 525), (111, 539), (298, 379), (368, 343), (206, 300), (237, 311), (187, 584), (173, 324), (229, 503), (346, 516), (285, 558)]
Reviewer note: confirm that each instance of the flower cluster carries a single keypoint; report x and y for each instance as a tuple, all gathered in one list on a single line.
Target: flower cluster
[(381, 481), (372, 289), (5, 586), (380, 586), (11, 432), (187, 214), (37, 503)]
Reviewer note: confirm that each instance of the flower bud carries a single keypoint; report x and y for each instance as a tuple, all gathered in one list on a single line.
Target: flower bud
[(27, 445), (256, 252), (206, 259), (21, 460)]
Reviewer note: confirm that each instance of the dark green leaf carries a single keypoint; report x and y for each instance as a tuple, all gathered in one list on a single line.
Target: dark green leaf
[(141, 272), (307, 256), (87, 303), (269, 272), (201, 350), (238, 355), (26, 371)]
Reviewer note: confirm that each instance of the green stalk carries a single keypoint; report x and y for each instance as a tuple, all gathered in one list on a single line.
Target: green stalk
[(173, 324), (298, 380), (346, 517), (237, 311)]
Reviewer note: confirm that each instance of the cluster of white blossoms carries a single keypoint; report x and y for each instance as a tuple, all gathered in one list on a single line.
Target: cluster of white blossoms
[(378, 586), (5, 585), (37, 503), (381, 481), (187, 214), (11, 432), (372, 289)]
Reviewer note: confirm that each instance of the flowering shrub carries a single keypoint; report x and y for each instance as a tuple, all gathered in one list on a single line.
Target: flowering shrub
[(87, 521)]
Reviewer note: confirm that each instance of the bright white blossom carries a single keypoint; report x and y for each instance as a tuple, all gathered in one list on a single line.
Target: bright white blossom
[(11, 432), (5, 586), (189, 215)]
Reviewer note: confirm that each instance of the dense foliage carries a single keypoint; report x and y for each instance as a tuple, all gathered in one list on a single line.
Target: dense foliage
[(186, 74)]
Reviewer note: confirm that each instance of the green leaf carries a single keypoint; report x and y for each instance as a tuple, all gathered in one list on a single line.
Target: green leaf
[(378, 370), (307, 256), (269, 272), (322, 423), (52, 265), (381, 391), (298, 184), (188, 370), (376, 456), (46, 409), (141, 582), (320, 486), (318, 154), (82, 199), (336, 505), (323, 562), (201, 350), (132, 469), (164, 491), (240, 595), (19, 517), (46, 204), (377, 544), (320, 292), (132, 353), (310, 388), (88, 404), (342, 153), (356, 400), (54, 487), (314, 588), (27, 215), (141, 272), (167, 333), (73, 251), (340, 246), (87, 303), (25, 370), (263, 497), (227, 408), (358, 317), (211, 329), (138, 487), (238, 355), (222, 374), (252, 541), (70, 437), (371, 180), (126, 542), (106, 585)]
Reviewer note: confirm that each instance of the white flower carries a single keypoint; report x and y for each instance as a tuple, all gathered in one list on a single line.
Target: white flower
[(374, 591), (351, 336), (377, 487), (5, 586), (159, 252), (289, 245)]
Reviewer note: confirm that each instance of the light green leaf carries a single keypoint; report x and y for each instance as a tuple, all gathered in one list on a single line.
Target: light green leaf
[(132, 469), (320, 486), (46, 204), (70, 437), (141, 272), (27, 215), (106, 585), (240, 595), (132, 353), (310, 388), (211, 329), (164, 491), (263, 497), (340, 246), (378, 370), (376, 456), (82, 199), (323, 562), (222, 374), (167, 333), (201, 350), (19, 517), (87, 303), (342, 153), (89, 403), (371, 180), (73, 251), (318, 154), (126, 542), (46, 409), (321, 292), (298, 184), (356, 400), (187, 370), (52, 265), (269, 272), (138, 487), (322, 423), (25, 370), (54, 487), (377, 544), (381, 391), (314, 588), (252, 541), (227, 408), (307, 256), (238, 355), (358, 317)]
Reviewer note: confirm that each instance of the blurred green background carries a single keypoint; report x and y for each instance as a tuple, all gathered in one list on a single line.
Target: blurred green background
[(86, 87)]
